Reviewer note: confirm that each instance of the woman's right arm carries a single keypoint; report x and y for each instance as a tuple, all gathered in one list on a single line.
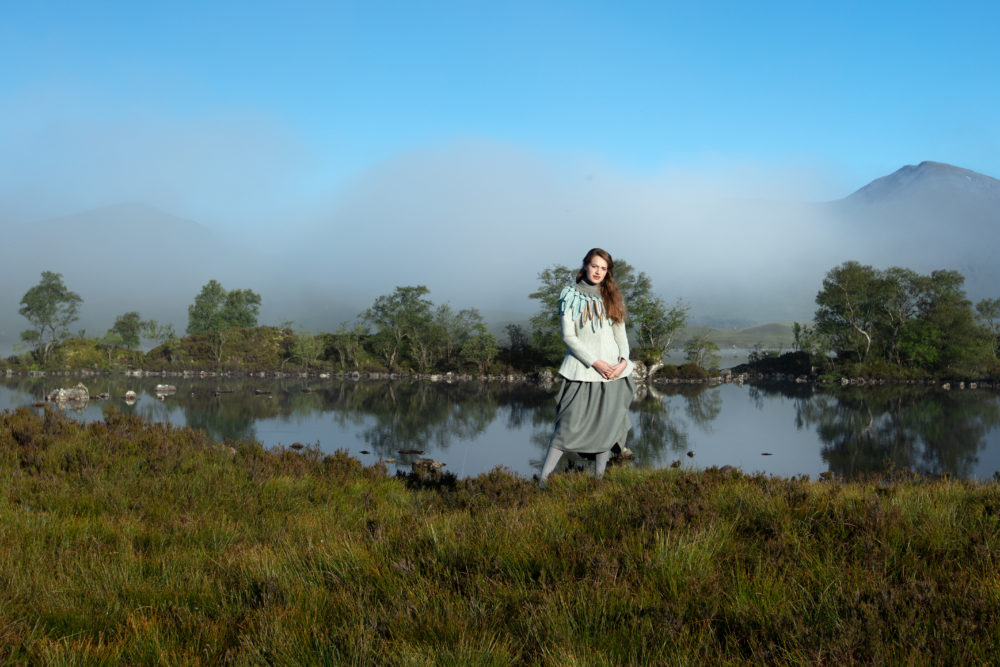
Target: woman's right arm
[(576, 347)]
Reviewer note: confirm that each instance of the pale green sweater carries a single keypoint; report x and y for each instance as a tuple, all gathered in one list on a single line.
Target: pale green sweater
[(589, 334)]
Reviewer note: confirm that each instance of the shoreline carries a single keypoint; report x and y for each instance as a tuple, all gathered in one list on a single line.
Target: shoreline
[(542, 377)]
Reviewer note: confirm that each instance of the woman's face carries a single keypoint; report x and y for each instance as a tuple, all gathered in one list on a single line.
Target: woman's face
[(596, 269)]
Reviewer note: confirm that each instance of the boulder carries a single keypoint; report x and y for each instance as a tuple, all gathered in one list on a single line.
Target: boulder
[(78, 394), (427, 467)]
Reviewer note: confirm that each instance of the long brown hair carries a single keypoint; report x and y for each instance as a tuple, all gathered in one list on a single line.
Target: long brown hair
[(614, 305)]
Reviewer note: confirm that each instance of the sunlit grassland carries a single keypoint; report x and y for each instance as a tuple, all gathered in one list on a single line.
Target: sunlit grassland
[(125, 541)]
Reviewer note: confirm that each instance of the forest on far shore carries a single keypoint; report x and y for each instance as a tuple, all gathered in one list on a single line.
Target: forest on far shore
[(892, 323)]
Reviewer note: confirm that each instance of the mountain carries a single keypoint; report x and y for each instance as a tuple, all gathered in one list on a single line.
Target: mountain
[(125, 220), (930, 182), (927, 217)]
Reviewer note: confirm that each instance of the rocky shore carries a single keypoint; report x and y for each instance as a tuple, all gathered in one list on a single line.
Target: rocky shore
[(545, 377)]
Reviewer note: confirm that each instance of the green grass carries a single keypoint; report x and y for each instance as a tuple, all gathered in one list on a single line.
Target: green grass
[(130, 542)]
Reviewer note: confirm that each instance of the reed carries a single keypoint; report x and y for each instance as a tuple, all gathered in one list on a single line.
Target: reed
[(125, 541)]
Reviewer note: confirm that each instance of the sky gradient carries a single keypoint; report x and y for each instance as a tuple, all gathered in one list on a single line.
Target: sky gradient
[(336, 150), (235, 113)]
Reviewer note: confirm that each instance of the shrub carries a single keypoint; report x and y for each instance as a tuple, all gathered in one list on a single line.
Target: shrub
[(667, 371), (691, 371)]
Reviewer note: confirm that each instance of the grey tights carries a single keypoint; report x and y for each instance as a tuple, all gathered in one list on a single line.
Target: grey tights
[(553, 456)]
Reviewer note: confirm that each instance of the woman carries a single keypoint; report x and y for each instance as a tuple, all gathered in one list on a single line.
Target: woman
[(592, 404)]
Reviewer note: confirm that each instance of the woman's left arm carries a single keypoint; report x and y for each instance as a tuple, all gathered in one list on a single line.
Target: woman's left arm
[(621, 338)]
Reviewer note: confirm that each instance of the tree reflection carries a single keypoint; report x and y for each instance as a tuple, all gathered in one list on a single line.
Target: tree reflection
[(927, 430), (225, 410), (860, 430), (703, 407), (797, 391), (666, 416), (421, 415), (659, 432)]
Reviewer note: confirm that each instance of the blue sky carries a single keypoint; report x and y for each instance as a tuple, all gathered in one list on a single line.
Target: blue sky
[(214, 110)]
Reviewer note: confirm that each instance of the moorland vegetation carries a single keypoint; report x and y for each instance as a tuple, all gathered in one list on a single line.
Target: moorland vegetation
[(128, 542)]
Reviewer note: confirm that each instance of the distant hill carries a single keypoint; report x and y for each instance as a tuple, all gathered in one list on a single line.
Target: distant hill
[(136, 257), (128, 223), (926, 217), (771, 336), (118, 258), (930, 182)]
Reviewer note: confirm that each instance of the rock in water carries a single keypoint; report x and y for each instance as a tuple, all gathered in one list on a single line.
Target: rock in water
[(78, 394)]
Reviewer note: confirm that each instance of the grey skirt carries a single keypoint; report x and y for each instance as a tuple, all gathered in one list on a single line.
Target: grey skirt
[(592, 416)]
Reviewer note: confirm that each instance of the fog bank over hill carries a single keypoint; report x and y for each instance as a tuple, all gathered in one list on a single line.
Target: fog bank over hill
[(929, 216), (476, 224), (465, 224), (135, 257)]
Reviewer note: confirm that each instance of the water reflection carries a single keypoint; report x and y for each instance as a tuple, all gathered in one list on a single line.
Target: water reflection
[(656, 433), (928, 430), (416, 415), (388, 416), (478, 426)]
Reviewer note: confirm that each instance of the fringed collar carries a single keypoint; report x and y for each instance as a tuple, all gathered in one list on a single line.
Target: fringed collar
[(584, 301)]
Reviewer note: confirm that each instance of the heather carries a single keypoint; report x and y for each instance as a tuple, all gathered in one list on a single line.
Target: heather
[(125, 541)]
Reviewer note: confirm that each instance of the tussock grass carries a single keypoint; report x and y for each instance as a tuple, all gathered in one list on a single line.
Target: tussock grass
[(130, 542)]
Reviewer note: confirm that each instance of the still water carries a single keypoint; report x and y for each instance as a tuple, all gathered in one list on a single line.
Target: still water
[(780, 429)]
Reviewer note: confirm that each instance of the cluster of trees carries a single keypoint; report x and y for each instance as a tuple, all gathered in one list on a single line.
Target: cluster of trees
[(881, 319), (216, 313), (51, 307), (899, 318), (400, 331), (405, 328), (652, 324)]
